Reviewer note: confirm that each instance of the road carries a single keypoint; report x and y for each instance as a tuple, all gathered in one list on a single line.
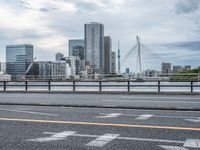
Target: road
[(120, 101), (108, 125), (73, 128)]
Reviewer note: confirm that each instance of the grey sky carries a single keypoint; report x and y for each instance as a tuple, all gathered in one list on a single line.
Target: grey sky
[(169, 27)]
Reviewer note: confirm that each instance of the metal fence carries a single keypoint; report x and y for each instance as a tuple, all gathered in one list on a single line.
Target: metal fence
[(100, 86)]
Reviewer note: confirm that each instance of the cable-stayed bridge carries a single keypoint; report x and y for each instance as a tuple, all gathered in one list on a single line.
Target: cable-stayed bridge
[(140, 58)]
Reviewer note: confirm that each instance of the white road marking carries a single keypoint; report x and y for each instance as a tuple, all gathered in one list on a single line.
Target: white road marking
[(197, 119), (160, 97), (144, 117), (102, 140), (150, 140), (28, 112), (193, 143), (54, 137), (162, 116), (172, 147), (194, 120), (146, 101), (112, 115), (127, 138)]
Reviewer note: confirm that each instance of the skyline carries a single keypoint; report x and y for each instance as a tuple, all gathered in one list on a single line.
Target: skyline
[(169, 28)]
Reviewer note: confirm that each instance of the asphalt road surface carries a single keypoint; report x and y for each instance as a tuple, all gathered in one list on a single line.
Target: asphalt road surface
[(149, 101), (52, 128)]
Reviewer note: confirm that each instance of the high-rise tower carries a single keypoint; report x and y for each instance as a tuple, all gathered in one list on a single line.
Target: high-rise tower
[(107, 54), (18, 58), (118, 56), (94, 46)]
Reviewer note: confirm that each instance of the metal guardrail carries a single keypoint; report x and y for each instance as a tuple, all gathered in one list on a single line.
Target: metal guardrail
[(100, 85)]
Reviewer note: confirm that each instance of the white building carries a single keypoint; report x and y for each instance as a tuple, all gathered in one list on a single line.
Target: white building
[(2, 67), (5, 77), (74, 63)]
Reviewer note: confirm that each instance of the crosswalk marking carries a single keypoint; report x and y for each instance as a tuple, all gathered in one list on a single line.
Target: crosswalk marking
[(102, 140), (144, 117), (172, 147), (193, 143), (112, 115), (54, 137), (194, 120)]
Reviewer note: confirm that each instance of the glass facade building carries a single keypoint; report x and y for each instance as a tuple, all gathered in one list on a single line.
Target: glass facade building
[(18, 58), (94, 46), (77, 48)]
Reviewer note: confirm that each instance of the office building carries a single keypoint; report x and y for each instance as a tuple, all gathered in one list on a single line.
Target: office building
[(107, 54), (77, 48), (94, 46), (59, 56), (151, 73), (166, 68), (177, 69), (18, 58), (127, 71), (187, 68), (113, 63), (49, 70)]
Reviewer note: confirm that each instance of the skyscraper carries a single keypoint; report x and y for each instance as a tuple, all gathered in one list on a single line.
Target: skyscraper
[(107, 54), (18, 58), (76, 48), (94, 46)]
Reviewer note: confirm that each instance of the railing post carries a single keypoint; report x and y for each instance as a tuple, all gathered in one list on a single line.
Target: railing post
[(100, 86), (158, 86), (74, 86), (26, 85), (49, 85), (128, 84), (191, 86), (4, 85)]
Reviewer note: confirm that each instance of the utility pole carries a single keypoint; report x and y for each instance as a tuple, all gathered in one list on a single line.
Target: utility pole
[(139, 55), (118, 56)]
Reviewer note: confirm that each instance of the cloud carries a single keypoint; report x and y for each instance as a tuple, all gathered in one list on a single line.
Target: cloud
[(48, 5), (48, 24), (187, 6), (192, 45)]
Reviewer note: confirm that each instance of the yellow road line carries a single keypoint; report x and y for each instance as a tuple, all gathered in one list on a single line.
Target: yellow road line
[(102, 124)]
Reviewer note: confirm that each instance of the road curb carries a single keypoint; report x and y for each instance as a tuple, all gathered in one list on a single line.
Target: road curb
[(103, 106)]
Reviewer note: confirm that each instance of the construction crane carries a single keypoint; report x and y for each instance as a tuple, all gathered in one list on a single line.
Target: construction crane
[(29, 68)]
